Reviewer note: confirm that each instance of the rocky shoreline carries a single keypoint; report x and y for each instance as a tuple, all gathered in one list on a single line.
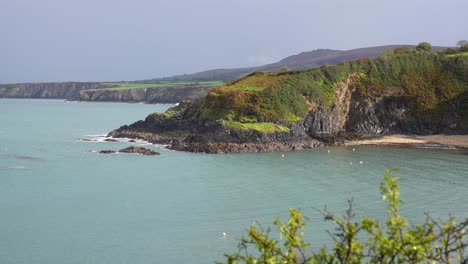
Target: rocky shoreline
[(351, 121), (179, 142), (184, 142)]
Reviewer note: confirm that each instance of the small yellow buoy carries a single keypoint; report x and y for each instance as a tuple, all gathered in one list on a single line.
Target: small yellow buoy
[(224, 234)]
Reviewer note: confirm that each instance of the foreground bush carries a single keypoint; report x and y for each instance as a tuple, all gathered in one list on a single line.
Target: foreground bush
[(364, 241)]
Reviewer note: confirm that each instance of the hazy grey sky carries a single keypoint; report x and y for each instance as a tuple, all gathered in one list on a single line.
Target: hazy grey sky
[(90, 40)]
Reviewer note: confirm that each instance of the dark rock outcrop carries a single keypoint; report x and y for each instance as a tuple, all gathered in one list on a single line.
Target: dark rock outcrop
[(139, 150), (107, 151), (132, 149), (185, 129)]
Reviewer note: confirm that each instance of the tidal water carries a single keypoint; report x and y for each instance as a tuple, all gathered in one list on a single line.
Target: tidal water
[(60, 202)]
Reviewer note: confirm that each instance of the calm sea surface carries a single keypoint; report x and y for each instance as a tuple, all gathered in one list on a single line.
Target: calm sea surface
[(61, 203)]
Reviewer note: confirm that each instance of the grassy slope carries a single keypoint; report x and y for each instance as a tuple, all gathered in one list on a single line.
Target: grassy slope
[(458, 54), (264, 127), (304, 60), (116, 86), (285, 97)]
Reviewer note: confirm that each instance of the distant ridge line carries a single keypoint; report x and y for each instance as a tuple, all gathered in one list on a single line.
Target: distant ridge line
[(303, 60)]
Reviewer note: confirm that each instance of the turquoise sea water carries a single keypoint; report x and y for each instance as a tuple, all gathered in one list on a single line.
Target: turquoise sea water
[(61, 203)]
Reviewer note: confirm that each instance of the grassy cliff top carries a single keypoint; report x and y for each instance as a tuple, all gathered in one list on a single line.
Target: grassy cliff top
[(263, 127), (287, 96), (116, 86)]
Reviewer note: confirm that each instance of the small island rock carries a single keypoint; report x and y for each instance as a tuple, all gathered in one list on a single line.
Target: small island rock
[(139, 150), (106, 152)]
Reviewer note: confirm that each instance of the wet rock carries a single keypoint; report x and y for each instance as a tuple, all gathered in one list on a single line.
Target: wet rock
[(29, 158), (139, 150), (111, 140), (106, 152)]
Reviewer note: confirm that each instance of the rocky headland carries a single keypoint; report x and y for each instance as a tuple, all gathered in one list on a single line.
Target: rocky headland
[(58, 90), (160, 95), (403, 92)]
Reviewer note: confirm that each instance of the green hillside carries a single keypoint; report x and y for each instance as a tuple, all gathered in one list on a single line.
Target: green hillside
[(287, 96)]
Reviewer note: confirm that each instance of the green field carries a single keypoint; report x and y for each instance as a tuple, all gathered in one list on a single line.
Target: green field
[(137, 85), (459, 54)]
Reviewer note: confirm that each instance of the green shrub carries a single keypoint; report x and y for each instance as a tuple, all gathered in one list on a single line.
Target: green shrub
[(363, 241), (424, 46)]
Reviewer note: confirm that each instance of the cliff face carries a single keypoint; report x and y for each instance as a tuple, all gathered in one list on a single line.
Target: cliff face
[(147, 95), (89, 91), (63, 90), (355, 114)]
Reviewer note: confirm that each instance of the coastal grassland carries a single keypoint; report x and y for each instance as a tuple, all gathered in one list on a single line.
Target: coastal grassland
[(429, 79), (115, 86), (263, 127)]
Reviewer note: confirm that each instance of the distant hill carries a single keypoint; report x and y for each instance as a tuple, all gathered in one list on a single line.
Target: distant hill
[(304, 60)]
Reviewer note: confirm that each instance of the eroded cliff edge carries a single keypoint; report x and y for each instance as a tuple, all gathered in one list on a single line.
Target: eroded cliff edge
[(160, 95), (406, 93), (58, 90)]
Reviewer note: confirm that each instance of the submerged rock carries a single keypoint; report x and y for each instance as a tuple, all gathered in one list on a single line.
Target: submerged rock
[(106, 151), (139, 150), (111, 140), (29, 158)]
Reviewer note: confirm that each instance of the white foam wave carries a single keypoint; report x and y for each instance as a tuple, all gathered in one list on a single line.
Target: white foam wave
[(97, 135), (105, 138), (12, 167)]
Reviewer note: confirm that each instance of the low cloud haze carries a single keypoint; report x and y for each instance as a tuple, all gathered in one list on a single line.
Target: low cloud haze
[(93, 40)]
